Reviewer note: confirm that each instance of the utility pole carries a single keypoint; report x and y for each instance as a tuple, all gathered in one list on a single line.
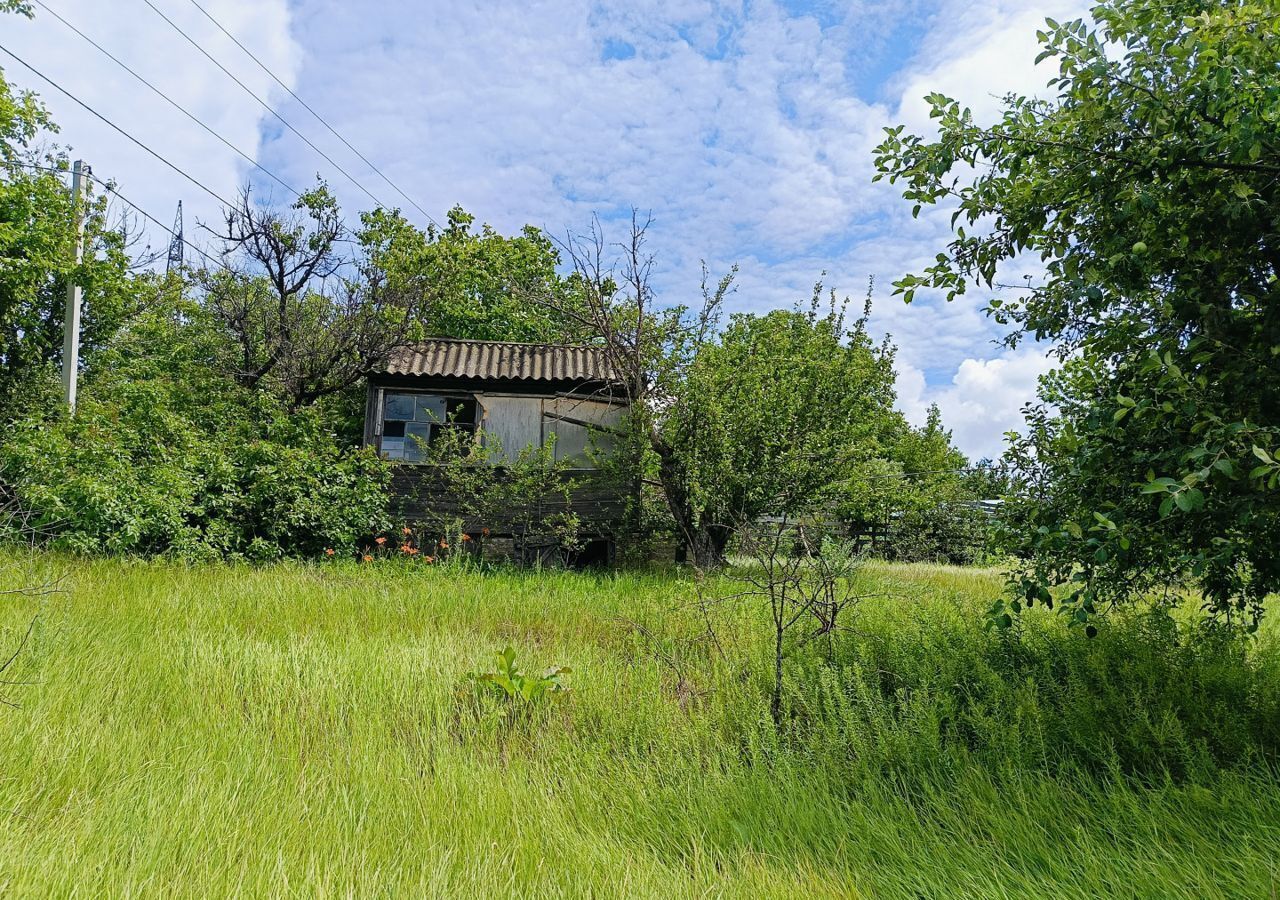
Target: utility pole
[(71, 323)]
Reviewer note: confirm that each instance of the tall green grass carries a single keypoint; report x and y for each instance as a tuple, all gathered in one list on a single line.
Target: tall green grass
[(299, 731)]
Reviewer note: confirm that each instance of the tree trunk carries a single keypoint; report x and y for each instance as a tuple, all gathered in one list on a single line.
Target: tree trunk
[(775, 701), (709, 543)]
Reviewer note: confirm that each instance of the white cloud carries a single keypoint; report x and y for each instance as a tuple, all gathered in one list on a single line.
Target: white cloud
[(983, 401)]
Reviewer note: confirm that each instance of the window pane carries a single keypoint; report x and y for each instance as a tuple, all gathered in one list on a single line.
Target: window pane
[(392, 448), (571, 443), (399, 406), (429, 408), (411, 421), (417, 437)]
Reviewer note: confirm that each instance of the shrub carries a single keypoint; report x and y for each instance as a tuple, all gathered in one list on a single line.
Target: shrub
[(946, 533), (135, 472)]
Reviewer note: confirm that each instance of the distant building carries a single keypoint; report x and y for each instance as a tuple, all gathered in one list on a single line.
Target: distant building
[(517, 394)]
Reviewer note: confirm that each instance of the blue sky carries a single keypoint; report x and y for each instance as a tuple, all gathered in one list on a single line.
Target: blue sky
[(746, 129)]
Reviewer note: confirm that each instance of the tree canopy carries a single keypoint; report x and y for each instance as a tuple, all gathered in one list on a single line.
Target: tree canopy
[(1146, 188), (37, 237), (771, 417)]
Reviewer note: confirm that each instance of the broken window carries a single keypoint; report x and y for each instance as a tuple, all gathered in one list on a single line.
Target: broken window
[(412, 422)]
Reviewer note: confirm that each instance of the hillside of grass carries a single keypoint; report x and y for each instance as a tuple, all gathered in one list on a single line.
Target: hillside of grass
[(308, 730)]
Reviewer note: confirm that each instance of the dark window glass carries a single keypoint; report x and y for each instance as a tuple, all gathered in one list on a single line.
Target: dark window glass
[(412, 422)]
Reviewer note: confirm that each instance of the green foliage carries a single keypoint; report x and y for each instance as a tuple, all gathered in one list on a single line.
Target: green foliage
[(767, 417), (305, 315), (517, 688), (1148, 188), (1146, 697), (133, 473), (480, 284), (941, 531), (37, 241), (923, 492), (525, 492), (168, 455)]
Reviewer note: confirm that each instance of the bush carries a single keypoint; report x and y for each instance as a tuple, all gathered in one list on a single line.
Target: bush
[(136, 472)]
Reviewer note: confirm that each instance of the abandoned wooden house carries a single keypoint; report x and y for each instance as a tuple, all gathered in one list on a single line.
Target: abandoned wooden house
[(508, 397)]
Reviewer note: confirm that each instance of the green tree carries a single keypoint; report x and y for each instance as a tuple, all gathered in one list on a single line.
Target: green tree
[(765, 415), (475, 284), (923, 489), (769, 418), (37, 257), (1147, 188)]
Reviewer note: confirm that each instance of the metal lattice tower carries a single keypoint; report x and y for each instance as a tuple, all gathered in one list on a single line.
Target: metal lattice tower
[(175, 245)]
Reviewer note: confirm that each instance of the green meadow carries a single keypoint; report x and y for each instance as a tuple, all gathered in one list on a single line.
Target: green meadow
[(309, 730)]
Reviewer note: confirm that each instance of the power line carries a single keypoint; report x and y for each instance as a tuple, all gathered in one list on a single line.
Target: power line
[(264, 103), (112, 189), (309, 109), (114, 126), (245, 156)]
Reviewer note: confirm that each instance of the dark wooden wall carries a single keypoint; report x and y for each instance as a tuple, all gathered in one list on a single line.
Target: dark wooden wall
[(420, 495)]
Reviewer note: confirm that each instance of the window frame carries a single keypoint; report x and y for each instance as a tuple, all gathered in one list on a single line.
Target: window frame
[(451, 399)]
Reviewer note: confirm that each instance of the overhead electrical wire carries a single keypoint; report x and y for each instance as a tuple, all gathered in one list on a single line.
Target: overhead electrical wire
[(112, 189), (245, 156), (264, 104), (307, 106), (212, 193)]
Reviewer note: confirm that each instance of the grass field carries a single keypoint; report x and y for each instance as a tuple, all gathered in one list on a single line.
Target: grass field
[(305, 731)]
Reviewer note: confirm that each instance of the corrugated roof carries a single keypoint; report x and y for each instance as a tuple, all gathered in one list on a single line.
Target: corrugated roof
[(446, 357)]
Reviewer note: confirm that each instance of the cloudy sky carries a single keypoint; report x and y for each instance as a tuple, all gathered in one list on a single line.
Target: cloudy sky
[(745, 128)]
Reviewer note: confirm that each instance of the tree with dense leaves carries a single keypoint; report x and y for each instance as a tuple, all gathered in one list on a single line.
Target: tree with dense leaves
[(769, 419), (476, 283), (1148, 187), (37, 257), (764, 415)]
